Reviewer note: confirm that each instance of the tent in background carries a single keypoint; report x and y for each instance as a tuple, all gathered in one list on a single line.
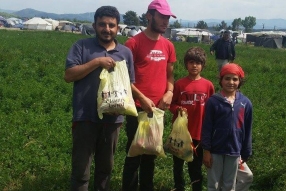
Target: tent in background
[(284, 41), (63, 23), (54, 23), (67, 28), (132, 30), (121, 27), (268, 42), (267, 39), (3, 21), (37, 23), (14, 21), (87, 29), (194, 34)]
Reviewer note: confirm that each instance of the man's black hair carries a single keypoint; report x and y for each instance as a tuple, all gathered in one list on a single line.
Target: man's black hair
[(226, 32), (108, 11), (151, 11)]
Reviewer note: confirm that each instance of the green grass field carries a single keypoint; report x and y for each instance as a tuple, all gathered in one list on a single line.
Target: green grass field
[(35, 113)]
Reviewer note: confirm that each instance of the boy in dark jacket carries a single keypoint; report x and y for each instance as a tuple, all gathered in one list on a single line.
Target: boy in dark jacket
[(226, 130)]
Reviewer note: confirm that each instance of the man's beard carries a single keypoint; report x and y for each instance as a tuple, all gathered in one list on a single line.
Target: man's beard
[(155, 28), (104, 40)]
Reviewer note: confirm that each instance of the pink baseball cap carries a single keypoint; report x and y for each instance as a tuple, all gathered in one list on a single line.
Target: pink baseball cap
[(162, 7)]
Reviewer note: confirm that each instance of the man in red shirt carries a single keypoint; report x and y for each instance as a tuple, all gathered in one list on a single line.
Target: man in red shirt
[(154, 57)]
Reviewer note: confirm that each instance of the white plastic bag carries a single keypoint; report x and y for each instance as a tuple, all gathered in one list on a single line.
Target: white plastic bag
[(114, 93), (149, 134), (179, 142)]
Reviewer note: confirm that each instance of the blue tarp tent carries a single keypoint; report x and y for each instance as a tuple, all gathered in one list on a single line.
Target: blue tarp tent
[(3, 21)]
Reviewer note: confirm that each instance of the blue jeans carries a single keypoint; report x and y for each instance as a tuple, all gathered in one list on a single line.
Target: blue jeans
[(93, 141), (137, 169)]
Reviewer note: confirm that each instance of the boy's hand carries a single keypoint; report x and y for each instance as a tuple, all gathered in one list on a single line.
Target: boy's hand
[(181, 110), (207, 159)]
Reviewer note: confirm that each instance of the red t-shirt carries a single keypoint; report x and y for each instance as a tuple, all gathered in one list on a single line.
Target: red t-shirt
[(150, 64), (192, 95)]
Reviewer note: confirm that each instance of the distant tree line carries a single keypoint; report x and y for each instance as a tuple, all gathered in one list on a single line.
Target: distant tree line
[(131, 18)]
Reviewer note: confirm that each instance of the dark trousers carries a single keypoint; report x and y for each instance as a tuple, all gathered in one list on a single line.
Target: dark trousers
[(139, 169), (194, 170), (93, 141)]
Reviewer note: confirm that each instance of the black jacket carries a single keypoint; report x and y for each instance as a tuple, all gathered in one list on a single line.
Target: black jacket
[(224, 49)]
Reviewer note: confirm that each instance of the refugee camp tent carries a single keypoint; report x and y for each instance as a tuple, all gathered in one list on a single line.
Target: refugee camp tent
[(174, 32), (189, 32), (54, 23), (195, 35), (63, 23), (284, 41), (268, 39), (67, 28), (132, 30), (14, 21), (37, 23), (241, 37), (250, 37), (2, 18), (268, 42), (3, 21), (87, 29), (121, 27)]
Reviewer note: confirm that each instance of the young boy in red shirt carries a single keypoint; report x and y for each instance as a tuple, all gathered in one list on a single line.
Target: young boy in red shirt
[(190, 95)]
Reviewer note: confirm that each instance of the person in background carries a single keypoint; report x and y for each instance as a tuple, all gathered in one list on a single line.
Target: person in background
[(94, 139), (190, 94), (154, 57), (226, 132), (224, 50)]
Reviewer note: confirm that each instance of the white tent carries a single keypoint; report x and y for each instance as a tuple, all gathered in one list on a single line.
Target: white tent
[(63, 23), (122, 26), (194, 34), (54, 23), (37, 23), (14, 21), (3, 21)]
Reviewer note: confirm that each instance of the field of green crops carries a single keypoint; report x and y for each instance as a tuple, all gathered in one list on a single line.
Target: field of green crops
[(35, 113)]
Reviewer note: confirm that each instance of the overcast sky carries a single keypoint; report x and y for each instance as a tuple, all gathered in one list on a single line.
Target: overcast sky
[(183, 9)]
